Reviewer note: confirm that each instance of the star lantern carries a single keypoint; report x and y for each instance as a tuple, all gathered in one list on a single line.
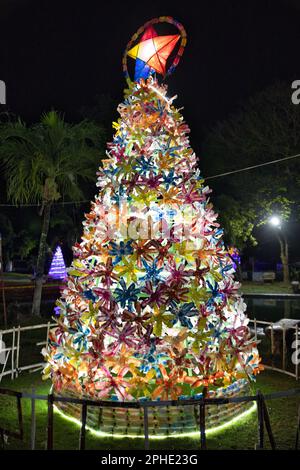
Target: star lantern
[(152, 52)]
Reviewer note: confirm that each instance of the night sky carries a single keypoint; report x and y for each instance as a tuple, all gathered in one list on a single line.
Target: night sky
[(60, 54)]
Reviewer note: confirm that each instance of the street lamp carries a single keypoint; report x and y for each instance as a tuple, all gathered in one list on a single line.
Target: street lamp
[(276, 222)]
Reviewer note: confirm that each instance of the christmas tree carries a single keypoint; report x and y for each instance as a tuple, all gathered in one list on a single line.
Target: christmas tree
[(58, 268), (151, 307)]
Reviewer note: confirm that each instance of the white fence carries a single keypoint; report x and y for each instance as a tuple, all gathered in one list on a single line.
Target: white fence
[(260, 331), (12, 339)]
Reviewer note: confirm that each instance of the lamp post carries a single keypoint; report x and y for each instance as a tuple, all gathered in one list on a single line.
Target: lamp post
[(276, 222), (2, 285)]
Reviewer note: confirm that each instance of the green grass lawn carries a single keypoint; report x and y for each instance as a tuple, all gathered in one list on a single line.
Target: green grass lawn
[(249, 287), (283, 415)]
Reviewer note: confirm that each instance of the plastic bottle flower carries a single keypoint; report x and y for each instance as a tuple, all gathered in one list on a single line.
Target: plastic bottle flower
[(153, 273), (178, 340), (80, 339), (214, 292), (122, 336), (143, 250), (205, 381), (151, 181), (170, 178), (105, 273), (124, 295), (123, 359), (140, 384), (107, 316), (167, 386), (171, 196), (183, 250), (128, 269), (181, 360), (183, 314), (144, 197), (162, 251), (106, 383), (190, 195), (177, 275), (159, 318), (152, 360), (138, 318), (165, 161), (131, 183), (176, 295), (199, 272), (153, 296), (120, 250), (104, 296), (143, 165)]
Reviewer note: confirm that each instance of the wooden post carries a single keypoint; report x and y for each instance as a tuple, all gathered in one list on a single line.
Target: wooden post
[(268, 424), (2, 285), (146, 427), (83, 425), (202, 420), (50, 422), (33, 421), (260, 418)]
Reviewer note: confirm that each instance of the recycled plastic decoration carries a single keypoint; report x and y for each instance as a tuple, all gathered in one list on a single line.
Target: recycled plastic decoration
[(155, 312), (58, 268), (152, 52)]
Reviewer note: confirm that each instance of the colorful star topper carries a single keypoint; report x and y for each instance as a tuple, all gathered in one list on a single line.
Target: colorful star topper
[(152, 53)]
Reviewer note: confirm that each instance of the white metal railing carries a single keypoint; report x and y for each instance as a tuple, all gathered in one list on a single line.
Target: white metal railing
[(11, 354), (10, 364), (296, 343)]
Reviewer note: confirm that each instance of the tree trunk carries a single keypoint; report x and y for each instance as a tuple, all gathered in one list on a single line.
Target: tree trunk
[(284, 256), (37, 296), (239, 272)]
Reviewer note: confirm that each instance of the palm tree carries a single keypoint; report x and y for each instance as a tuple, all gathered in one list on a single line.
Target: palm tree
[(46, 162)]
